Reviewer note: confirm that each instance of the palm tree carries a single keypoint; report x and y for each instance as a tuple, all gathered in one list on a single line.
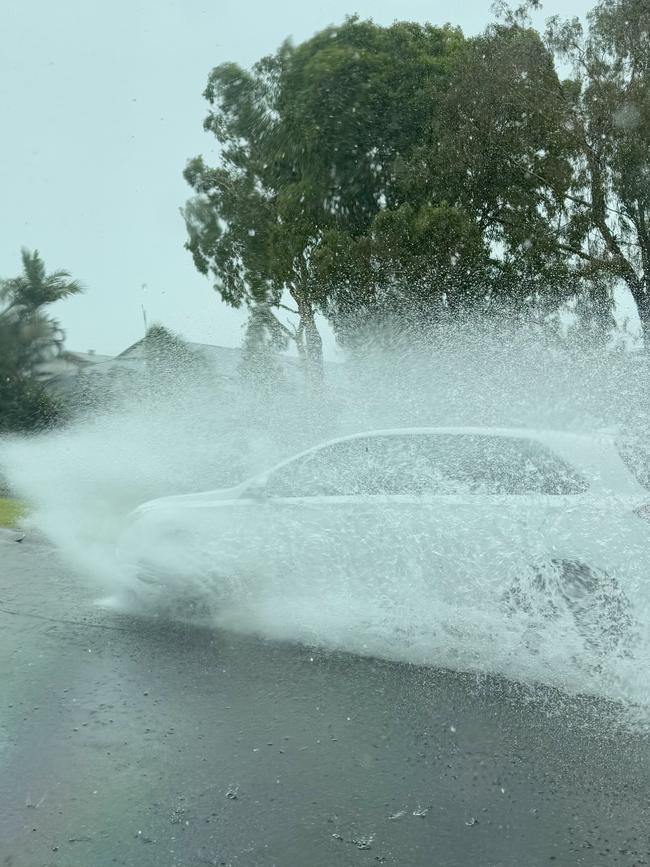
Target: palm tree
[(28, 336)]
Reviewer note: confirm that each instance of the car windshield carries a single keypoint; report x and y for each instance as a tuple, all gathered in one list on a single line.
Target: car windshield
[(434, 464)]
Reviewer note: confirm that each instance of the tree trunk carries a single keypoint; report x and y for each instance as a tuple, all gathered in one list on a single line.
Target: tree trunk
[(313, 345), (642, 299)]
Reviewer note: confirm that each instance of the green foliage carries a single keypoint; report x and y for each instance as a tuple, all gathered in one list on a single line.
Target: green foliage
[(35, 288), (11, 511), (417, 264), (29, 337), (170, 364), (25, 405), (608, 111), (472, 210), (165, 350), (502, 150), (408, 171), (313, 141), (265, 337)]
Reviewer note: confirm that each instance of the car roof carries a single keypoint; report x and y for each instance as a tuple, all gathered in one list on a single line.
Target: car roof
[(520, 433), (594, 455)]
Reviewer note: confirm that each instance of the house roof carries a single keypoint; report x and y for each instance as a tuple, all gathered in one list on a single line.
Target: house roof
[(226, 361), (226, 358)]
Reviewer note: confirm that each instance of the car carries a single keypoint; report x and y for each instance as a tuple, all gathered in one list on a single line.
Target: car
[(523, 525)]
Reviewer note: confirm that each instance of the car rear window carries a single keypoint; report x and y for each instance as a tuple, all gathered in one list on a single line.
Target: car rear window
[(434, 464)]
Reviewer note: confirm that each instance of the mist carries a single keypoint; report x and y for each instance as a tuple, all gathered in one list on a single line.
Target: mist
[(189, 435)]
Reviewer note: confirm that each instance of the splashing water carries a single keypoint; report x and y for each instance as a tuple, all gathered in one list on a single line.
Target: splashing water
[(355, 586)]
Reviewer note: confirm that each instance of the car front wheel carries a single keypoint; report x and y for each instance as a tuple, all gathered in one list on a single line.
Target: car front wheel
[(588, 597)]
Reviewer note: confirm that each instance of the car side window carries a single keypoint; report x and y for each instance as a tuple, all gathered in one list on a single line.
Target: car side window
[(433, 464), (478, 464), (347, 468), (636, 456)]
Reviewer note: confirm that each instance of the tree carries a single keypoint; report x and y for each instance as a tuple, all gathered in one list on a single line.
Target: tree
[(170, 363), (504, 158), (25, 405), (29, 337), (410, 172), (312, 141), (264, 339), (478, 205), (608, 110)]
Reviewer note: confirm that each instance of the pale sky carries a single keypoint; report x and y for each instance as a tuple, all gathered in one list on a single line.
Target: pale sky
[(102, 106)]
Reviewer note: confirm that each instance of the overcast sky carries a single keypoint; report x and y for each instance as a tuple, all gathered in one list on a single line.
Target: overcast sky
[(101, 107)]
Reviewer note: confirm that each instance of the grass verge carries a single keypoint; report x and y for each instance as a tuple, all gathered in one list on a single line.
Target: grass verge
[(11, 511)]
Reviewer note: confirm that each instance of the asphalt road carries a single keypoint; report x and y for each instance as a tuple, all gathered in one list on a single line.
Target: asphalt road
[(132, 742)]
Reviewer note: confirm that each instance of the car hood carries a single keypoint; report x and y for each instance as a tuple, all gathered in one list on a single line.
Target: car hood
[(180, 501)]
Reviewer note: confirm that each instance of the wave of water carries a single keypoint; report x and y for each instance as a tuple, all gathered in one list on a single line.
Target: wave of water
[(81, 482)]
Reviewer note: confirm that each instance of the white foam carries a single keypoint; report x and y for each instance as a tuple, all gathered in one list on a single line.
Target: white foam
[(82, 481)]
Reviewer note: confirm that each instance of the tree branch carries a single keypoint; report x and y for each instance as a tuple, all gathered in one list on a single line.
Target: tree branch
[(599, 214)]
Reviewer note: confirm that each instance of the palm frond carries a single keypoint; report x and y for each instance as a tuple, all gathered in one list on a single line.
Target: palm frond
[(35, 288)]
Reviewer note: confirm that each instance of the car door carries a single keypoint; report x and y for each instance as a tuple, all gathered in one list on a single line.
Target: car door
[(469, 512), (393, 519), (325, 509), (460, 534)]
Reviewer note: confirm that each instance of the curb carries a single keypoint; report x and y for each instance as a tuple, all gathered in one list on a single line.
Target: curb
[(17, 535), (8, 533)]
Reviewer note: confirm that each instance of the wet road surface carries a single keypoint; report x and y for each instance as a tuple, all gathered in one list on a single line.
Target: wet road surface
[(131, 742)]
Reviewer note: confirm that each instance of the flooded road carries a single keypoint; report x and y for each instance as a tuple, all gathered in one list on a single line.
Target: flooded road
[(131, 742)]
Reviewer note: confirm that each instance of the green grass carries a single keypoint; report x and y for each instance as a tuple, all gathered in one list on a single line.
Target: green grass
[(11, 511)]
